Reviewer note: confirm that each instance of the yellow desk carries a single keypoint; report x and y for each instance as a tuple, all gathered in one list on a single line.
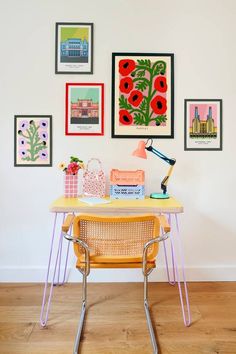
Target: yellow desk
[(171, 207), (147, 205)]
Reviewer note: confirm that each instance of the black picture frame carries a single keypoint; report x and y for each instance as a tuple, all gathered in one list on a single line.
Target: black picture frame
[(207, 136), (72, 63), (142, 131), (37, 135)]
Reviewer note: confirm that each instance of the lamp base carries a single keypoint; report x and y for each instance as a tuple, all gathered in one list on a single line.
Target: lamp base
[(159, 196)]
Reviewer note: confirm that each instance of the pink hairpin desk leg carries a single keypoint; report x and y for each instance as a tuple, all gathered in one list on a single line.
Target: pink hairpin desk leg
[(185, 309), (57, 268)]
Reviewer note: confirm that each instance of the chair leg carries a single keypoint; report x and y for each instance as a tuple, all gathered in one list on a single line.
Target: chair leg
[(82, 315), (148, 317)]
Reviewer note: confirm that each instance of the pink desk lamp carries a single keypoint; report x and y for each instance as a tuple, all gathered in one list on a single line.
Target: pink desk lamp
[(141, 152)]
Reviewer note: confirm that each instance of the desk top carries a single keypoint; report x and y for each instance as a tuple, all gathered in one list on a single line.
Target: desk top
[(146, 205)]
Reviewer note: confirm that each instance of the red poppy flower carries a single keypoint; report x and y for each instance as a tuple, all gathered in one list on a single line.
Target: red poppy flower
[(158, 104), (126, 85), (125, 117), (135, 98), (160, 84), (126, 66)]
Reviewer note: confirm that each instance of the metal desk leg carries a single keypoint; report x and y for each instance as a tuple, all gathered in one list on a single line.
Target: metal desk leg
[(43, 319), (185, 309), (171, 282)]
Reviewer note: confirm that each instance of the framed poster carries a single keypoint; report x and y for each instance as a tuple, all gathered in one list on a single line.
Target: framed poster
[(74, 48), (203, 124), (84, 109), (33, 140), (142, 95)]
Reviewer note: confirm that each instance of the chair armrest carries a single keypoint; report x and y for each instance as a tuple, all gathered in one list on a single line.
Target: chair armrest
[(84, 245), (67, 222), (164, 223), (145, 249)]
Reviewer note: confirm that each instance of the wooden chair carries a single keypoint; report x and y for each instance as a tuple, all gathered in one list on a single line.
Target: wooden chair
[(116, 242)]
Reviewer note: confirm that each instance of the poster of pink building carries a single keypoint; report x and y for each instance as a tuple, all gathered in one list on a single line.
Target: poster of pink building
[(203, 124), (84, 109)]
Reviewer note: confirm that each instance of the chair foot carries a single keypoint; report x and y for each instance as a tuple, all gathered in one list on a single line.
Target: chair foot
[(150, 327), (80, 327)]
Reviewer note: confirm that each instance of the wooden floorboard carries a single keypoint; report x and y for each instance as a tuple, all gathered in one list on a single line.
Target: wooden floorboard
[(116, 322)]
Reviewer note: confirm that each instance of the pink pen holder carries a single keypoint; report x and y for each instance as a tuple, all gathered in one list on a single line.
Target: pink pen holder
[(71, 186)]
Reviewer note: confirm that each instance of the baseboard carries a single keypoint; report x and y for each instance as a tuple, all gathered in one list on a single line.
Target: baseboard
[(38, 274)]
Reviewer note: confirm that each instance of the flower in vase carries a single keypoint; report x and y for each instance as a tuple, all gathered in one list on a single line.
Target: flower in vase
[(62, 166), (81, 165), (72, 168)]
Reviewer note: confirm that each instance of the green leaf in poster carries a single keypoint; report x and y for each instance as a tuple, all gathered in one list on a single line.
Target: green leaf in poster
[(160, 119), (159, 67), (123, 103), (144, 62), (139, 119), (141, 85), (143, 105), (38, 148), (27, 158), (141, 73)]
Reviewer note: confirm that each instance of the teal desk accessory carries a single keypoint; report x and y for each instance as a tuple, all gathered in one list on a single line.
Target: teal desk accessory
[(141, 152)]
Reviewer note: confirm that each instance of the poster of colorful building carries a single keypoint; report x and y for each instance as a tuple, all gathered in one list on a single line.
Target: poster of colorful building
[(84, 109), (74, 48), (203, 124)]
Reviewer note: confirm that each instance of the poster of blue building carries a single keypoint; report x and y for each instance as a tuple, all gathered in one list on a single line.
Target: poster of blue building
[(74, 48)]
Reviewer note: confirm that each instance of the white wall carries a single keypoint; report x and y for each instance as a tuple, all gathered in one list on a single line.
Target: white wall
[(201, 34)]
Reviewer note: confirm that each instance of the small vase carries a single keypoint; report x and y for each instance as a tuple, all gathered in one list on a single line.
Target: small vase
[(71, 186)]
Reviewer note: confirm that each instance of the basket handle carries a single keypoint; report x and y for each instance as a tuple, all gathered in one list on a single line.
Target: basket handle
[(92, 160)]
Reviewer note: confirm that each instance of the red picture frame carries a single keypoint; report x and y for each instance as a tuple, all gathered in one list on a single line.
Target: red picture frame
[(84, 109)]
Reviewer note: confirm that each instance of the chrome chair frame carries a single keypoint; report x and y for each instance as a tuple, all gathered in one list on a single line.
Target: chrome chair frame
[(85, 272)]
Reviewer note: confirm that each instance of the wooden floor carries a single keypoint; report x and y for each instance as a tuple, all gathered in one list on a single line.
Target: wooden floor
[(116, 320)]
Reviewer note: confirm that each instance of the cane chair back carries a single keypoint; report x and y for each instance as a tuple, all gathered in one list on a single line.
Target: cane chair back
[(116, 242)]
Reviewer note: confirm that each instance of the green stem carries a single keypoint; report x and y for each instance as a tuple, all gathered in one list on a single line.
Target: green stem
[(33, 142), (149, 96), (140, 67), (25, 136), (137, 110), (159, 62), (153, 93), (151, 116), (152, 119), (39, 145), (30, 143), (36, 157), (141, 78)]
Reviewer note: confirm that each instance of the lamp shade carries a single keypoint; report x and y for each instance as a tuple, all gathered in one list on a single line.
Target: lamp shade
[(141, 150)]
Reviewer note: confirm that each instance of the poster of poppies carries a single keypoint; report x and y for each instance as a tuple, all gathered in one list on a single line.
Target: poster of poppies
[(142, 95), (203, 124), (33, 141)]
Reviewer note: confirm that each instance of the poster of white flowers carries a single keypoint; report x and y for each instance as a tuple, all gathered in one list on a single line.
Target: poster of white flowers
[(33, 140)]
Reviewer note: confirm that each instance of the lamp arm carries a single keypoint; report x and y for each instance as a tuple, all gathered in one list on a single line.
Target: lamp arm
[(171, 162), (162, 156), (166, 179)]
